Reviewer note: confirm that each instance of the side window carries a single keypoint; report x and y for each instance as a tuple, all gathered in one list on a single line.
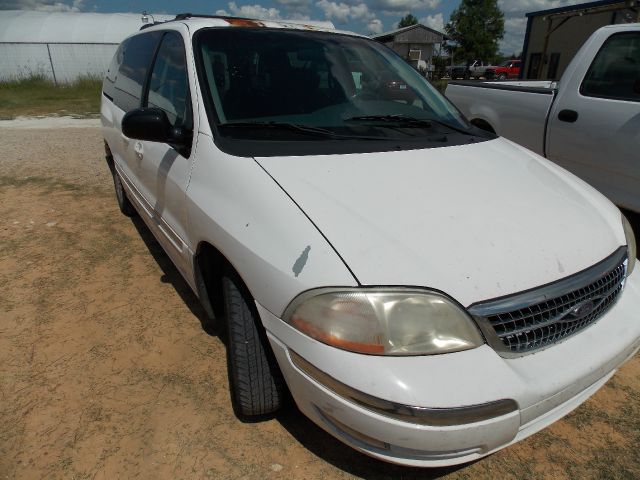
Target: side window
[(169, 84), (109, 83), (137, 54), (615, 72)]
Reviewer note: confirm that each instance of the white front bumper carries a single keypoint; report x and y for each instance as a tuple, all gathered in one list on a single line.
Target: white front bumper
[(546, 386)]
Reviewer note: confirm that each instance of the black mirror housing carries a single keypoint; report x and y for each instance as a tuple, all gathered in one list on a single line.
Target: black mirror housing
[(149, 124)]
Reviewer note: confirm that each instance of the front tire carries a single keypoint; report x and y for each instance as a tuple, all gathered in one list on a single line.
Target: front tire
[(256, 384)]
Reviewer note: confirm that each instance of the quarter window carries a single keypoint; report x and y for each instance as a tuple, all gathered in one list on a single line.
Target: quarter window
[(615, 72)]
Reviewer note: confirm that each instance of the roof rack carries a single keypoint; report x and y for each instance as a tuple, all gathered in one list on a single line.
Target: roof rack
[(186, 16)]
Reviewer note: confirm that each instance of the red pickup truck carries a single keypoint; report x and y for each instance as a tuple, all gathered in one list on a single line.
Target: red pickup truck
[(507, 69)]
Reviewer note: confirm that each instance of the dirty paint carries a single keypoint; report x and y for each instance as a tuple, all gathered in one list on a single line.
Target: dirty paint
[(301, 261), (243, 22)]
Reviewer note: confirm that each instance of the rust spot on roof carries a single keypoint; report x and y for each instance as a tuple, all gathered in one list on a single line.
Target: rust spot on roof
[(243, 22)]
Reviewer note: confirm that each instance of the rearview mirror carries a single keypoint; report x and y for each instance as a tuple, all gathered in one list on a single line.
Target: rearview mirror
[(151, 124)]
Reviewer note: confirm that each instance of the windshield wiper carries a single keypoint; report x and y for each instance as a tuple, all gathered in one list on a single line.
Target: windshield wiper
[(457, 129), (395, 118), (406, 121), (306, 129)]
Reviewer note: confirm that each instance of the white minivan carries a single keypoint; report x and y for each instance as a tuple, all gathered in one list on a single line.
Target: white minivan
[(428, 292)]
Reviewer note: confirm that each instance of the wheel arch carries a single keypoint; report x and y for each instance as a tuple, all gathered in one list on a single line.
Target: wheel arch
[(209, 265)]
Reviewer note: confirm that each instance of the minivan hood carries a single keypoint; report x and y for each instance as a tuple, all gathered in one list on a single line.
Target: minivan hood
[(477, 221)]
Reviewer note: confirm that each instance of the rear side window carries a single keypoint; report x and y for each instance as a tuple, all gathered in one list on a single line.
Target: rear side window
[(136, 56), (169, 84), (615, 72)]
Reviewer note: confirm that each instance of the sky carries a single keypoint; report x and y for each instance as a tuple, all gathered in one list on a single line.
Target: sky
[(370, 17)]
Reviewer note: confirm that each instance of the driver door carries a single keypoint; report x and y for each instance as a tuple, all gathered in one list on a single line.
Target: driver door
[(164, 168)]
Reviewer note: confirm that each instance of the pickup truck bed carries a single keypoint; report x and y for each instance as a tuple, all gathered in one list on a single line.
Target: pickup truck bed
[(588, 122), (517, 110)]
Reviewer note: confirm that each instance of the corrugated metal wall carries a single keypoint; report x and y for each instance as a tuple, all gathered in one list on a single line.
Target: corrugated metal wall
[(59, 62)]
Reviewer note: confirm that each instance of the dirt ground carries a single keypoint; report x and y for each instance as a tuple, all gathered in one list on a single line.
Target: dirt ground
[(107, 373)]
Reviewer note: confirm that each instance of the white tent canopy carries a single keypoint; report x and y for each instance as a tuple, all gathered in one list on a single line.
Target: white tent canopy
[(62, 45)]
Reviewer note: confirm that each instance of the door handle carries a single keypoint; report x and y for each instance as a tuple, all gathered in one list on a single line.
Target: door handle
[(139, 149), (569, 116)]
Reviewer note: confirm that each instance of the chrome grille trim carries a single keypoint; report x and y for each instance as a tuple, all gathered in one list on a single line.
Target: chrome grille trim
[(535, 319)]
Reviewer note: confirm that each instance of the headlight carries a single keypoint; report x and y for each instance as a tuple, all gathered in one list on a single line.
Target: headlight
[(384, 321), (631, 245)]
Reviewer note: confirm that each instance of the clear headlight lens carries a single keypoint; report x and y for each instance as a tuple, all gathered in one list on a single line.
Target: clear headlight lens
[(631, 245), (384, 321)]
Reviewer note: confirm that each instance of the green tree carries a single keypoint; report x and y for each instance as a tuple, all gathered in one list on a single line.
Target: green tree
[(476, 27), (407, 21)]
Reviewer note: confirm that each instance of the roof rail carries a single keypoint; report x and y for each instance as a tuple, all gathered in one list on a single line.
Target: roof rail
[(186, 16)]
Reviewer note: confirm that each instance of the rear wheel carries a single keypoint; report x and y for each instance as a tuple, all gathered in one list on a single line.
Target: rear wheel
[(502, 76), (257, 386), (123, 202)]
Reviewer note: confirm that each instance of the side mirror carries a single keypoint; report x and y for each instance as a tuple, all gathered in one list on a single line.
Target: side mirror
[(151, 124)]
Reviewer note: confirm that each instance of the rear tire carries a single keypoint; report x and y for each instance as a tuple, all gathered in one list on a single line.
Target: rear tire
[(256, 383), (123, 202)]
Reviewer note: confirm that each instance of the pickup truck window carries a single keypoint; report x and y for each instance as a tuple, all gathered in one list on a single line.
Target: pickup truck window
[(615, 71)]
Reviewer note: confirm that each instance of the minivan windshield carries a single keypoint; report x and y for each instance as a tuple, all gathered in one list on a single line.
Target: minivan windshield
[(279, 84)]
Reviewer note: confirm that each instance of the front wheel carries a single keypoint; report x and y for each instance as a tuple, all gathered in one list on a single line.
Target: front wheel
[(256, 384), (502, 77)]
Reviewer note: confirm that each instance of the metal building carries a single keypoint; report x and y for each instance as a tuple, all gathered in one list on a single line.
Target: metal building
[(62, 46), (416, 43), (554, 36)]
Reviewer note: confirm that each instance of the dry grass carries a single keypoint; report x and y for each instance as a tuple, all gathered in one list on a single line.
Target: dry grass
[(37, 95)]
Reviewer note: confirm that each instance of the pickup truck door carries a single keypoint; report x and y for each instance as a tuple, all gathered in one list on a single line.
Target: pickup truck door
[(165, 169), (594, 125)]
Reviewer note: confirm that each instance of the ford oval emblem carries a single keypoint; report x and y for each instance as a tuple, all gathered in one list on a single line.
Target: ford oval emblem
[(582, 309)]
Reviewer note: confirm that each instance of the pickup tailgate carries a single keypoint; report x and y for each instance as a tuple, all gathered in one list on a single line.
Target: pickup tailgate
[(514, 110)]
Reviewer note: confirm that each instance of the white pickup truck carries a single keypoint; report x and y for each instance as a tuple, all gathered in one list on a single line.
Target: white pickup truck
[(588, 122)]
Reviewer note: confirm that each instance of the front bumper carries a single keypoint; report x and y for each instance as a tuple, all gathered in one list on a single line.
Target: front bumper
[(545, 385)]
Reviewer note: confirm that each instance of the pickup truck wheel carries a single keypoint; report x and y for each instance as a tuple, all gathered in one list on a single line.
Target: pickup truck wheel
[(256, 383), (123, 202)]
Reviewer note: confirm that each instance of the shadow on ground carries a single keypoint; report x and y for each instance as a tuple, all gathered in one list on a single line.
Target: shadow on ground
[(170, 274)]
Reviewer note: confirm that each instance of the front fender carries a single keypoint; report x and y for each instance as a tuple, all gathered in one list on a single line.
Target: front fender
[(233, 204)]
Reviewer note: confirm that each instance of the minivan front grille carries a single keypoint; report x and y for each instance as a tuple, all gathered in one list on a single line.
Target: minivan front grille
[(532, 320)]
